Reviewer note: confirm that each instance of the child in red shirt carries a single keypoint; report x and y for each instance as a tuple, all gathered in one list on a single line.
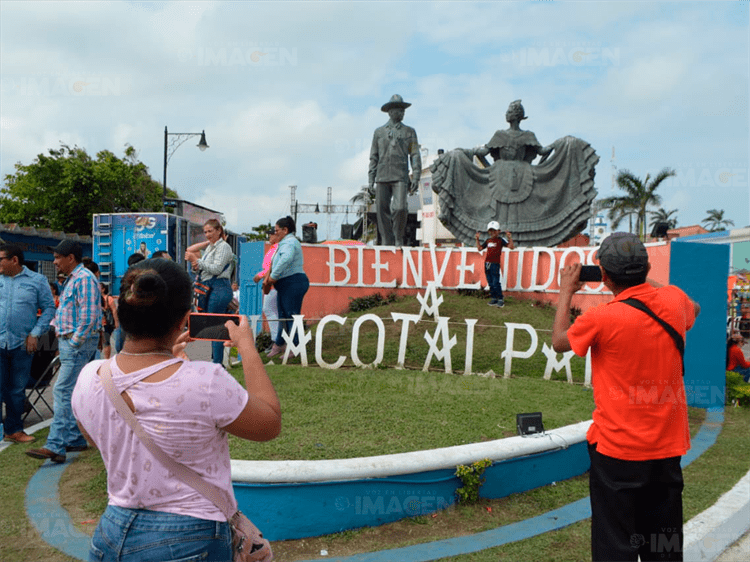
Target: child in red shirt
[(494, 245)]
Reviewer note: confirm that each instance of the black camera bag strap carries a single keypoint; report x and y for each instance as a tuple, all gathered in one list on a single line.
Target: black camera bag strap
[(678, 340)]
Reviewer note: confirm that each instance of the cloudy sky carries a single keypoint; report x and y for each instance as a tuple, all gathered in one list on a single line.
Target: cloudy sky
[(289, 93)]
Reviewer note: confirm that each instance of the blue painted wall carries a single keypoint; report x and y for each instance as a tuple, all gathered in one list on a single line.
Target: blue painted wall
[(251, 293), (701, 270), (293, 511), (526, 473)]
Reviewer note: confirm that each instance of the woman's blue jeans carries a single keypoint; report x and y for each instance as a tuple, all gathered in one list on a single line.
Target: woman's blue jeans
[(291, 290), (744, 371), (218, 300), (132, 535), (119, 338)]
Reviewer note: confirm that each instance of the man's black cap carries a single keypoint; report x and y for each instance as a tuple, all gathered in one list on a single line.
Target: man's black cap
[(67, 247), (623, 253)]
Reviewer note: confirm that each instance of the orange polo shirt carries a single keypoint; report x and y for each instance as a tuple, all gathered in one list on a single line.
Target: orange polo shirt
[(640, 409), (736, 358)]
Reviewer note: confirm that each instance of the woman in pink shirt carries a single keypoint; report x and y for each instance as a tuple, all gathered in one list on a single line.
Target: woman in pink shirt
[(270, 304), (186, 407)]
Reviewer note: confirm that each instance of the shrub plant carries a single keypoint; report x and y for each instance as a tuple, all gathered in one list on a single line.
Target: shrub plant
[(471, 477)]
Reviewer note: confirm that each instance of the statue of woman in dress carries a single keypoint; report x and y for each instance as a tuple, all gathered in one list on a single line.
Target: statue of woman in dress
[(543, 204)]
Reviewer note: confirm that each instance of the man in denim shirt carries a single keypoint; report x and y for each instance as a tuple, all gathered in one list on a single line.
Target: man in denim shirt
[(22, 293), (78, 321)]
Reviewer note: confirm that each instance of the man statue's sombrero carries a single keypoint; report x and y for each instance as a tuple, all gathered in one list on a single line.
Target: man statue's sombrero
[(396, 102)]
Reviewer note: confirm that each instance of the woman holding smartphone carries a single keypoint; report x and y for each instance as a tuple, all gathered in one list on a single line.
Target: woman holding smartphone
[(186, 407), (214, 267)]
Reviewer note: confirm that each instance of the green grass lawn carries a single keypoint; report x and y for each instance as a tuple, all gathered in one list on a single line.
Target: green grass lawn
[(354, 413)]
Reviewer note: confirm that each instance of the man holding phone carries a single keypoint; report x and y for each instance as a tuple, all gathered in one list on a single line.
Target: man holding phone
[(635, 444), (590, 273)]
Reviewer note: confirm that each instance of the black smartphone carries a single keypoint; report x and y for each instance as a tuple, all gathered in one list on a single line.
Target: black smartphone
[(590, 273), (208, 326)]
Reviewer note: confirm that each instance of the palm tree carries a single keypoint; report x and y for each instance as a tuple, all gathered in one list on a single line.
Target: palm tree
[(639, 194), (619, 208), (715, 220), (364, 197), (662, 215)]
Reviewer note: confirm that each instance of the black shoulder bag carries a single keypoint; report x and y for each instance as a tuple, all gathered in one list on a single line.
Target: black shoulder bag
[(678, 340)]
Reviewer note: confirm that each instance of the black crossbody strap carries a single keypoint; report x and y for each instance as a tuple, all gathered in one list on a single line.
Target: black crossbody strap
[(678, 340)]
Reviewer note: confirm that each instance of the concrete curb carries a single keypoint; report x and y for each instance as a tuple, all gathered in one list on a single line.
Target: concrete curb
[(722, 524), (51, 520)]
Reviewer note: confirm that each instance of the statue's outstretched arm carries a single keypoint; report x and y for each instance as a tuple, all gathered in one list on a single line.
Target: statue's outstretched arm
[(545, 152), (480, 152)]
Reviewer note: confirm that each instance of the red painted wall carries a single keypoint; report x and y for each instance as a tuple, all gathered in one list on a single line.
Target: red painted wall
[(338, 273)]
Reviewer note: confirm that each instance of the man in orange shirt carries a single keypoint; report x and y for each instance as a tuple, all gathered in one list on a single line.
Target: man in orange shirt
[(640, 428)]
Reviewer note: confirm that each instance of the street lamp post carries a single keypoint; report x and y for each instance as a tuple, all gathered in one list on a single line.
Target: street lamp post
[(170, 147)]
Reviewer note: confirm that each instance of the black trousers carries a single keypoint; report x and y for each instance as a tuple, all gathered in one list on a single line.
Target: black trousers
[(636, 509)]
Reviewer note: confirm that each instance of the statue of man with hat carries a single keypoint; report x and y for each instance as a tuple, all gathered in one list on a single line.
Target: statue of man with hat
[(394, 145)]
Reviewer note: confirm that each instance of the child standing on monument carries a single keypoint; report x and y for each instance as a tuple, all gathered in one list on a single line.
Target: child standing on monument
[(494, 245)]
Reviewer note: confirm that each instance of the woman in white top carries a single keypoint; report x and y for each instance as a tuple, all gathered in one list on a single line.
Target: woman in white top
[(215, 267), (186, 407)]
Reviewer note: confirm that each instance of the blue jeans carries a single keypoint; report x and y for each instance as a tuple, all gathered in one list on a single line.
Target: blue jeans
[(119, 339), (64, 430), (132, 535), (744, 371), (492, 272), (15, 367), (291, 290), (218, 300)]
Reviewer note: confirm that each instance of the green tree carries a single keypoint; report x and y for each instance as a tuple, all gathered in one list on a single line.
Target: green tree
[(715, 220), (639, 195), (62, 190), (259, 232), (662, 215), (619, 209)]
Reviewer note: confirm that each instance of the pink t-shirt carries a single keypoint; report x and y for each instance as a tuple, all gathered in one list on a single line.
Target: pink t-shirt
[(182, 414), (267, 259)]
